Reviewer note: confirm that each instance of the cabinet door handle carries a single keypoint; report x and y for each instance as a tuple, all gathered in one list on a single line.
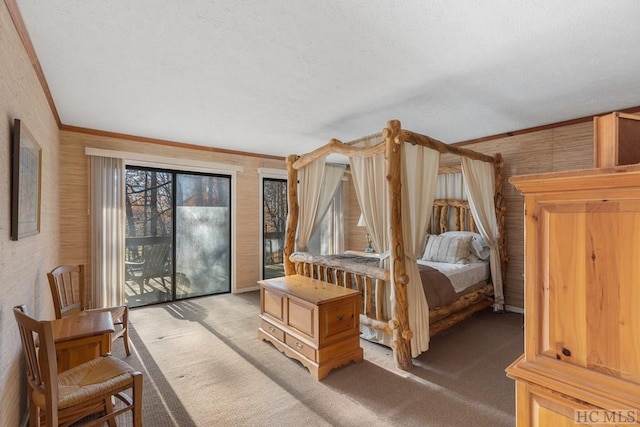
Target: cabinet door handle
[(339, 318)]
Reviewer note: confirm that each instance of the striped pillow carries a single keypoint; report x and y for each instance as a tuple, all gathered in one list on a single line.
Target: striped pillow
[(449, 249)]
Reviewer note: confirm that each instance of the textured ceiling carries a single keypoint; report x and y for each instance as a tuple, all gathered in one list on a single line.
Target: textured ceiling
[(276, 77)]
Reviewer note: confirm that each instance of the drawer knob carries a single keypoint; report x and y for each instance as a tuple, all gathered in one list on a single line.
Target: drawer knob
[(339, 318), (272, 329), (299, 346), (566, 352)]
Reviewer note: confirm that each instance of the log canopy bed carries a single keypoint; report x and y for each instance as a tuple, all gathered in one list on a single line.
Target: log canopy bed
[(395, 174)]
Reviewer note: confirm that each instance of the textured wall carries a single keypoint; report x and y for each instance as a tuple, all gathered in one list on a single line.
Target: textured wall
[(23, 264)]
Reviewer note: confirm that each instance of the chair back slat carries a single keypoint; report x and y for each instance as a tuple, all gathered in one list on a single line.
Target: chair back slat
[(67, 289), (40, 361)]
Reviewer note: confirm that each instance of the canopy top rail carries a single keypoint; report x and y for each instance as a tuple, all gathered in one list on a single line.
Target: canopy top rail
[(377, 135), (427, 141), (336, 146)]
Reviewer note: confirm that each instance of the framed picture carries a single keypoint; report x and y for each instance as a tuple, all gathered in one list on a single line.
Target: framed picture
[(26, 168)]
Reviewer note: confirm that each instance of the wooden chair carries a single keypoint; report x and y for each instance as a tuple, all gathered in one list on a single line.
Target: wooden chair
[(153, 265), (69, 298), (84, 390)]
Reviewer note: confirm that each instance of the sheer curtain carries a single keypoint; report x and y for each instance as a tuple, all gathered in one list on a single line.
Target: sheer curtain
[(311, 178), (419, 176), (479, 182), (370, 183), (369, 176), (107, 231), (450, 186), (337, 238), (332, 179)]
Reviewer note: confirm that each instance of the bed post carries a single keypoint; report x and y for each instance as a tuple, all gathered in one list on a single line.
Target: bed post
[(292, 215), (401, 333), (501, 215)]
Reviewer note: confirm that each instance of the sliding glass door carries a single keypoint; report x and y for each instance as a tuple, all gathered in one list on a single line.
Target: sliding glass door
[(203, 235), (178, 236)]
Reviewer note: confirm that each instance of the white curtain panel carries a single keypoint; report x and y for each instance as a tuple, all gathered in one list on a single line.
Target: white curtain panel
[(419, 176), (370, 182), (332, 178), (107, 231), (338, 221), (310, 185), (450, 186), (479, 181)]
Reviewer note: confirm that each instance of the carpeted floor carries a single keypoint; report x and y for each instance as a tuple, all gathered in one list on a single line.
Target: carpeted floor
[(203, 365)]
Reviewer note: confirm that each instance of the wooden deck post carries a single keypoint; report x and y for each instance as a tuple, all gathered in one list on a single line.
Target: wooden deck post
[(292, 215), (402, 334)]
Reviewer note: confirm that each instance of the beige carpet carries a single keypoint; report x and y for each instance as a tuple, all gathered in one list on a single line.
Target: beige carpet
[(203, 365)]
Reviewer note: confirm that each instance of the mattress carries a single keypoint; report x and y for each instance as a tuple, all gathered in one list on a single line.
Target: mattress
[(461, 276)]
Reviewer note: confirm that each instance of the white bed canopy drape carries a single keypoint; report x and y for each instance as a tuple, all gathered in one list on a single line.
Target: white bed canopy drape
[(311, 178), (370, 183), (369, 178), (318, 183), (449, 186), (332, 178), (419, 175), (479, 183)]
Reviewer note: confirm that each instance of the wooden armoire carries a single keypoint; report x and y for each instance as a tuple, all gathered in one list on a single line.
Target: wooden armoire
[(581, 361)]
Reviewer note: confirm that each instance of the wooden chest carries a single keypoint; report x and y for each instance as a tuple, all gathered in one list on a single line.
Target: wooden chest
[(314, 322)]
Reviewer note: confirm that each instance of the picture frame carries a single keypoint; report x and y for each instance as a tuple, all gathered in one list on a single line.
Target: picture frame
[(26, 171)]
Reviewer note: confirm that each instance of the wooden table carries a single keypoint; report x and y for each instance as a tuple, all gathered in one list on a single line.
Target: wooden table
[(81, 338)]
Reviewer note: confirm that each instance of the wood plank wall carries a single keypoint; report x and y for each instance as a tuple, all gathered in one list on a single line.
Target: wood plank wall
[(565, 147)]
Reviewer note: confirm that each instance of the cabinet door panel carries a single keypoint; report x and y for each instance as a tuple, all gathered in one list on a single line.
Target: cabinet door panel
[(540, 407), (302, 316), (590, 285), (565, 240), (273, 302)]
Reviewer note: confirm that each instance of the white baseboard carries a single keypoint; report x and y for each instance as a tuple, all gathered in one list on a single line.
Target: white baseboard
[(514, 309), (250, 289)]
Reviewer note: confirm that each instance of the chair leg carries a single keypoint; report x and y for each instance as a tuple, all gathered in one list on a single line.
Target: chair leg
[(34, 413), (125, 335), (108, 405), (137, 400)]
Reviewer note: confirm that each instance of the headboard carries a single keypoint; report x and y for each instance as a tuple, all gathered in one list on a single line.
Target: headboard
[(450, 215)]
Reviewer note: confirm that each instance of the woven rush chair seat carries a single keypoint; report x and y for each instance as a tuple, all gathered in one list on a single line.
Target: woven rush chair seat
[(104, 375)]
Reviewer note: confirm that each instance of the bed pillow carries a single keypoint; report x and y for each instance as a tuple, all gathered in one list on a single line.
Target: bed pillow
[(449, 249), (479, 247)]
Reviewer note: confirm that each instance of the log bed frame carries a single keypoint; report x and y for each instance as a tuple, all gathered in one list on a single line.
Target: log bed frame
[(371, 281)]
